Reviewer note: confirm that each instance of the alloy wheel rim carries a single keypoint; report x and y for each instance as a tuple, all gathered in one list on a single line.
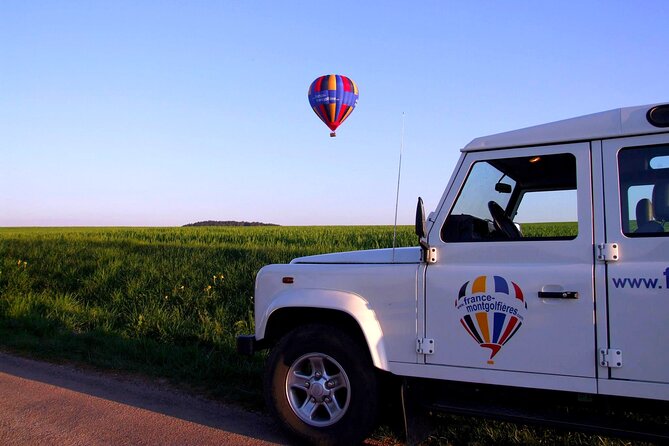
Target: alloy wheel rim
[(318, 389)]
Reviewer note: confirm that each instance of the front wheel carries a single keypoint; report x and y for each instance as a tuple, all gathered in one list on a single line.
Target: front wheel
[(321, 385)]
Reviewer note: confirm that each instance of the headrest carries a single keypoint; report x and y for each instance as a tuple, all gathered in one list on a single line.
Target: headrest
[(661, 200), (644, 211)]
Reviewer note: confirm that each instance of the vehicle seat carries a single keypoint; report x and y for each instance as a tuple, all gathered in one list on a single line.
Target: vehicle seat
[(644, 212), (661, 201), (645, 219), (659, 208)]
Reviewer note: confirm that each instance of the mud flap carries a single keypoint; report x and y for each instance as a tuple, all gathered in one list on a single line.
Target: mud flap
[(418, 420)]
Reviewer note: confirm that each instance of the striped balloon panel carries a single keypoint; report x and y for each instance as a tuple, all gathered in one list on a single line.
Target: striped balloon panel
[(333, 97), (484, 331), (491, 329), (483, 284)]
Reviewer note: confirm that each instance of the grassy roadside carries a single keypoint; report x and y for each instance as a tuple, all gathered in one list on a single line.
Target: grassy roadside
[(165, 302)]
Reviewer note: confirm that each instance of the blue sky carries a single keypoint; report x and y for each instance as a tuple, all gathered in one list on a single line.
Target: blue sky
[(162, 113)]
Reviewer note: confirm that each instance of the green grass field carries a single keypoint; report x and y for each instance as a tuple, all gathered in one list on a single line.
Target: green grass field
[(567, 229), (169, 302), (162, 301)]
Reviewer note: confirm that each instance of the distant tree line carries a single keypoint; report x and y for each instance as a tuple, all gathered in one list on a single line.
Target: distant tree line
[(229, 223)]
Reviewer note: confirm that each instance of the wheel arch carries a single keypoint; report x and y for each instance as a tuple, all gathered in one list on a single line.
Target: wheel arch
[(347, 311)]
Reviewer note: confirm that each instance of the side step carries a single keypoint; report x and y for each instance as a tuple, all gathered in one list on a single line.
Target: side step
[(526, 406)]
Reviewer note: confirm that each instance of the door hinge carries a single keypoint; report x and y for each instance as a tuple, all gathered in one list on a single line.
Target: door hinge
[(610, 357), (428, 254), (425, 346), (608, 252)]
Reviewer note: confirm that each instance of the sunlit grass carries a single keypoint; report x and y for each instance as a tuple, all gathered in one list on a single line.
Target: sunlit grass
[(166, 301)]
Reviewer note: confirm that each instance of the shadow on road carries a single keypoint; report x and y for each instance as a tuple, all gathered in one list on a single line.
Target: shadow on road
[(148, 395)]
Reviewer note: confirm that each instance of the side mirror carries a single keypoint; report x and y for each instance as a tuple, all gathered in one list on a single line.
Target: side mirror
[(421, 228)]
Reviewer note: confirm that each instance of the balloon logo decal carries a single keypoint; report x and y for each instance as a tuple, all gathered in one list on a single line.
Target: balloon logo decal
[(333, 97), (492, 310)]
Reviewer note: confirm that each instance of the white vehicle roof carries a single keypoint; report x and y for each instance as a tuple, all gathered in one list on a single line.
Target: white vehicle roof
[(609, 124)]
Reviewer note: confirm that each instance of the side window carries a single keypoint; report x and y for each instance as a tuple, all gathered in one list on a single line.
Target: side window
[(644, 190), (525, 198)]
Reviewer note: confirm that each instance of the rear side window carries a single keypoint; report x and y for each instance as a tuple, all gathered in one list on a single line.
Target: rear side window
[(644, 190)]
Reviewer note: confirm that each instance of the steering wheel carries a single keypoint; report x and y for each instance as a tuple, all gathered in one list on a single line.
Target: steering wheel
[(502, 221)]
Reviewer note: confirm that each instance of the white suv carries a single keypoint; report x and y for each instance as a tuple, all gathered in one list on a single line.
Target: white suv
[(544, 267)]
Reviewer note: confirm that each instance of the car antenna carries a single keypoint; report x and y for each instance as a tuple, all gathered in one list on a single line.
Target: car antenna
[(397, 196)]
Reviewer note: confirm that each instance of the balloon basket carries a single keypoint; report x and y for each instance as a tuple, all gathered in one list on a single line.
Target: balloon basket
[(490, 361), (333, 134)]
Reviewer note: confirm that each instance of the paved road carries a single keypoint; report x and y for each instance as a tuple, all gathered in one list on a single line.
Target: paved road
[(47, 404)]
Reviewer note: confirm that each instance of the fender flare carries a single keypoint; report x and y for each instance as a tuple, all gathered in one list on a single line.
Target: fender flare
[(350, 303)]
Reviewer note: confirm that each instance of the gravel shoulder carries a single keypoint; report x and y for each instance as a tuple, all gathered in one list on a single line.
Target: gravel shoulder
[(44, 403)]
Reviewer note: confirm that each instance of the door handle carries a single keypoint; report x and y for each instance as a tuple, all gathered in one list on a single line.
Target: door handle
[(558, 294)]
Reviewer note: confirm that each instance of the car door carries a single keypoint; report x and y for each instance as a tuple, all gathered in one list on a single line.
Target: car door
[(498, 302), (636, 189)]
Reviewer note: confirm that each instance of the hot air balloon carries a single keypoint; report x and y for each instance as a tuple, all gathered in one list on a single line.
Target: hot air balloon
[(492, 309), (333, 97)]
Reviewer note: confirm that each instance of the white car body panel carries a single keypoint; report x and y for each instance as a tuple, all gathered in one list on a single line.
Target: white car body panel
[(398, 255), (360, 290), (597, 126)]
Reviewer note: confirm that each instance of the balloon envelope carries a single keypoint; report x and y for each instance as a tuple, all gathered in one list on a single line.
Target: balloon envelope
[(333, 97)]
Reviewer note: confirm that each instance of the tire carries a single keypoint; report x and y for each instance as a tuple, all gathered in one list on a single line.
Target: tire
[(321, 385)]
